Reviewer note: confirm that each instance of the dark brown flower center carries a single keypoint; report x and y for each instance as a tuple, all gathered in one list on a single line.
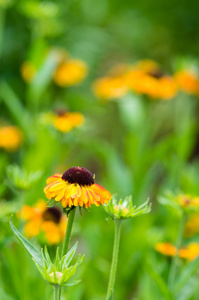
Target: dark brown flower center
[(156, 73), (61, 112), (52, 214), (78, 175)]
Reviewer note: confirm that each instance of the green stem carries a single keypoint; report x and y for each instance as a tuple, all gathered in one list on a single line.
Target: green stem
[(2, 22), (174, 263), (71, 217), (114, 260), (56, 292)]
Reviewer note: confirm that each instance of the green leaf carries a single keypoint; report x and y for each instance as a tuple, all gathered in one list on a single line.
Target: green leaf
[(35, 254), (186, 274), (164, 290), (69, 256), (43, 77), (73, 283), (16, 108)]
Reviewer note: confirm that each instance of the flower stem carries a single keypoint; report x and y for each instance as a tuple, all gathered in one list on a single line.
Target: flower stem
[(2, 20), (114, 260), (56, 292), (71, 217), (174, 263)]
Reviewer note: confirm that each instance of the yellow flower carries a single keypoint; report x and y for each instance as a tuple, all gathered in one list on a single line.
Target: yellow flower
[(10, 138), (167, 88), (70, 72), (190, 252), (110, 87), (187, 201), (166, 249), (187, 81), (76, 187), (151, 82), (65, 121), (192, 226), (43, 220), (28, 71)]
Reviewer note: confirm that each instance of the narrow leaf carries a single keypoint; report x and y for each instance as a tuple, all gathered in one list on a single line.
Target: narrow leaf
[(35, 254), (166, 293), (186, 275)]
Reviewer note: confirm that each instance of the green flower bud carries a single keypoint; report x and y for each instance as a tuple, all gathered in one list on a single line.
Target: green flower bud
[(124, 209)]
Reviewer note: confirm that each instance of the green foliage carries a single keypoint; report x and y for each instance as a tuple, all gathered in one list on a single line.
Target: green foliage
[(134, 145)]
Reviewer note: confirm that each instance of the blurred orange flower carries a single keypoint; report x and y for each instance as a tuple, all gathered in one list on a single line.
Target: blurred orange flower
[(190, 252), (76, 187), (145, 77), (110, 87), (10, 138), (40, 219), (192, 226), (70, 72), (65, 121), (187, 201), (166, 249), (187, 81)]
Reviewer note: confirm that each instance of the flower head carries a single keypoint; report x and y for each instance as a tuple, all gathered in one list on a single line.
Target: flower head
[(60, 272), (166, 249), (124, 209), (70, 72), (147, 78), (112, 87), (46, 221), (10, 138), (183, 203), (76, 187), (187, 81), (65, 121), (190, 252), (192, 226)]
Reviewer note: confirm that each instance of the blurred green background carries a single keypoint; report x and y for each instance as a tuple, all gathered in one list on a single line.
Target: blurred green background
[(133, 145)]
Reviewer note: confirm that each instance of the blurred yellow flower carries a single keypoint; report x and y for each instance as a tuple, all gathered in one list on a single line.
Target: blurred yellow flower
[(28, 71), (192, 226), (110, 87), (187, 201), (145, 77), (187, 81), (40, 219), (10, 138), (76, 187), (70, 72), (65, 121), (166, 249), (190, 252)]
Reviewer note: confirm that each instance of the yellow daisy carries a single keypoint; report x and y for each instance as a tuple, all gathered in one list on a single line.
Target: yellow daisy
[(48, 221), (76, 187), (10, 138), (65, 121), (166, 249), (70, 72)]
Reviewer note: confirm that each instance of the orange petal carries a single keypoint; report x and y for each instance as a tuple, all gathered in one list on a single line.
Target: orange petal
[(53, 178)]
